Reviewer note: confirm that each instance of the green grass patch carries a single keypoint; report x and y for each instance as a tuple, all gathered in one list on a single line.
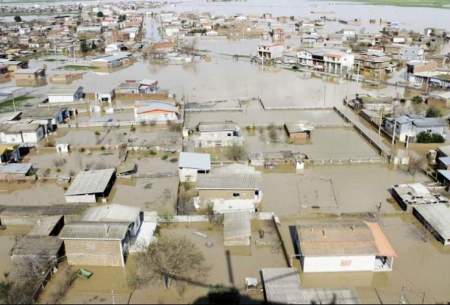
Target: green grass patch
[(78, 68), (18, 102)]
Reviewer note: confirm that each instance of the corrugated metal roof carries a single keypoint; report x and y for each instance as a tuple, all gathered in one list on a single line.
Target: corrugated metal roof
[(16, 168), (90, 182), (281, 285), (233, 182), (195, 160), (95, 231)]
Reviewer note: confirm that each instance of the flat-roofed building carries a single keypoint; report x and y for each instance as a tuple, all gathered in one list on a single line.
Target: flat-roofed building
[(191, 164), (237, 229), (218, 134), (436, 218), (26, 132), (96, 243), (65, 94), (155, 111), (410, 195), (90, 185), (299, 132), (342, 246), (229, 192)]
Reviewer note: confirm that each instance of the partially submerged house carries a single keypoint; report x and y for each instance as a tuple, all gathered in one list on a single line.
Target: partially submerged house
[(299, 132), (48, 117), (278, 160), (220, 134), (407, 127), (96, 243), (30, 77), (342, 246), (411, 195), (65, 94), (268, 51), (155, 111), (232, 192), (115, 60), (88, 186), (191, 164), (436, 218), (25, 132)]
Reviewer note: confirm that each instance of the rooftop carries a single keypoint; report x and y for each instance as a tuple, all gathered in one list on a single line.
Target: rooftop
[(111, 213), (218, 126), (16, 168), (298, 127), (91, 182), (343, 238), (63, 90), (233, 182), (281, 285), (45, 246), (195, 160), (45, 225), (438, 216), (237, 225), (95, 230)]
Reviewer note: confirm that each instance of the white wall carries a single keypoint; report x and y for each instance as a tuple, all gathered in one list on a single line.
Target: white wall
[(61, 98), (81, 199), (187, 175), (338, 263)]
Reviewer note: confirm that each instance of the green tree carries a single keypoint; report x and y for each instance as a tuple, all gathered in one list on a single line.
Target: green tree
[(433, 112), (427, 137), (17, 19), (100, 14), (83, 46), (417, 99)]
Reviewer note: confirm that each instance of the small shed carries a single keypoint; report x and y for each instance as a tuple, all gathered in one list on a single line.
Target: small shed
[(96, 243), (190, 164), (40, 251), (90, 185), (299, 132), (237, 229)]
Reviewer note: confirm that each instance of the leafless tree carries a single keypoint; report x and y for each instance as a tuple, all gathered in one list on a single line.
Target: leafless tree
[(169, 259)]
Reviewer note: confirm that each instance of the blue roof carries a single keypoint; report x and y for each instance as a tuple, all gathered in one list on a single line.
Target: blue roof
[(444, 173), (445, 160)]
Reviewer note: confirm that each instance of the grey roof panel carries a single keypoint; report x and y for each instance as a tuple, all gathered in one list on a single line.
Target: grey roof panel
[(90, 182)]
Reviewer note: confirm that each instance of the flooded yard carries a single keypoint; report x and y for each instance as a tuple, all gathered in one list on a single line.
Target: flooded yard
[(325, 143), (31, 193), (334, 189)]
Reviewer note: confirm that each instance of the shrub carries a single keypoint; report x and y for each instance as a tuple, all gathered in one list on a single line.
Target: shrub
[(433, 112), (417, 99), (426, 137)]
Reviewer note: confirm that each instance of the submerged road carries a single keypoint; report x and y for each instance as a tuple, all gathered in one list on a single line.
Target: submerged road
[(373, 137)]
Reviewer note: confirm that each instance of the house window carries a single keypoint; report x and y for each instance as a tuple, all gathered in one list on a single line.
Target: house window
[(257, 192), (236, 195), (228, 134)]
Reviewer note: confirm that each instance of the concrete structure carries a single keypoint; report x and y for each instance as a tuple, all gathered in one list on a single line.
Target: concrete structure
[(192, 164), (40, 252), (15, 170), (268, 51), (96, 243), (436, 218), (327, 60), (30, 77), (410, 195), (218, 135), (237, 229), (65, 95), (342, 246), (116, 60), (49, 117), (155, 111), (144, 86), (298, 132), (90, 185), (279, 160)]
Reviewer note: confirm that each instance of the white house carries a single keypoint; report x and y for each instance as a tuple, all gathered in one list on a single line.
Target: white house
[(327, 60), (155, 111), (218, 135), (268, 51), (342, 246), (407, 127), (65, 94), (22, 132), (191, 164)]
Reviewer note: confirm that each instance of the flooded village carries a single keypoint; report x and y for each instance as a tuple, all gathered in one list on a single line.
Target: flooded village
[(214, 152)]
